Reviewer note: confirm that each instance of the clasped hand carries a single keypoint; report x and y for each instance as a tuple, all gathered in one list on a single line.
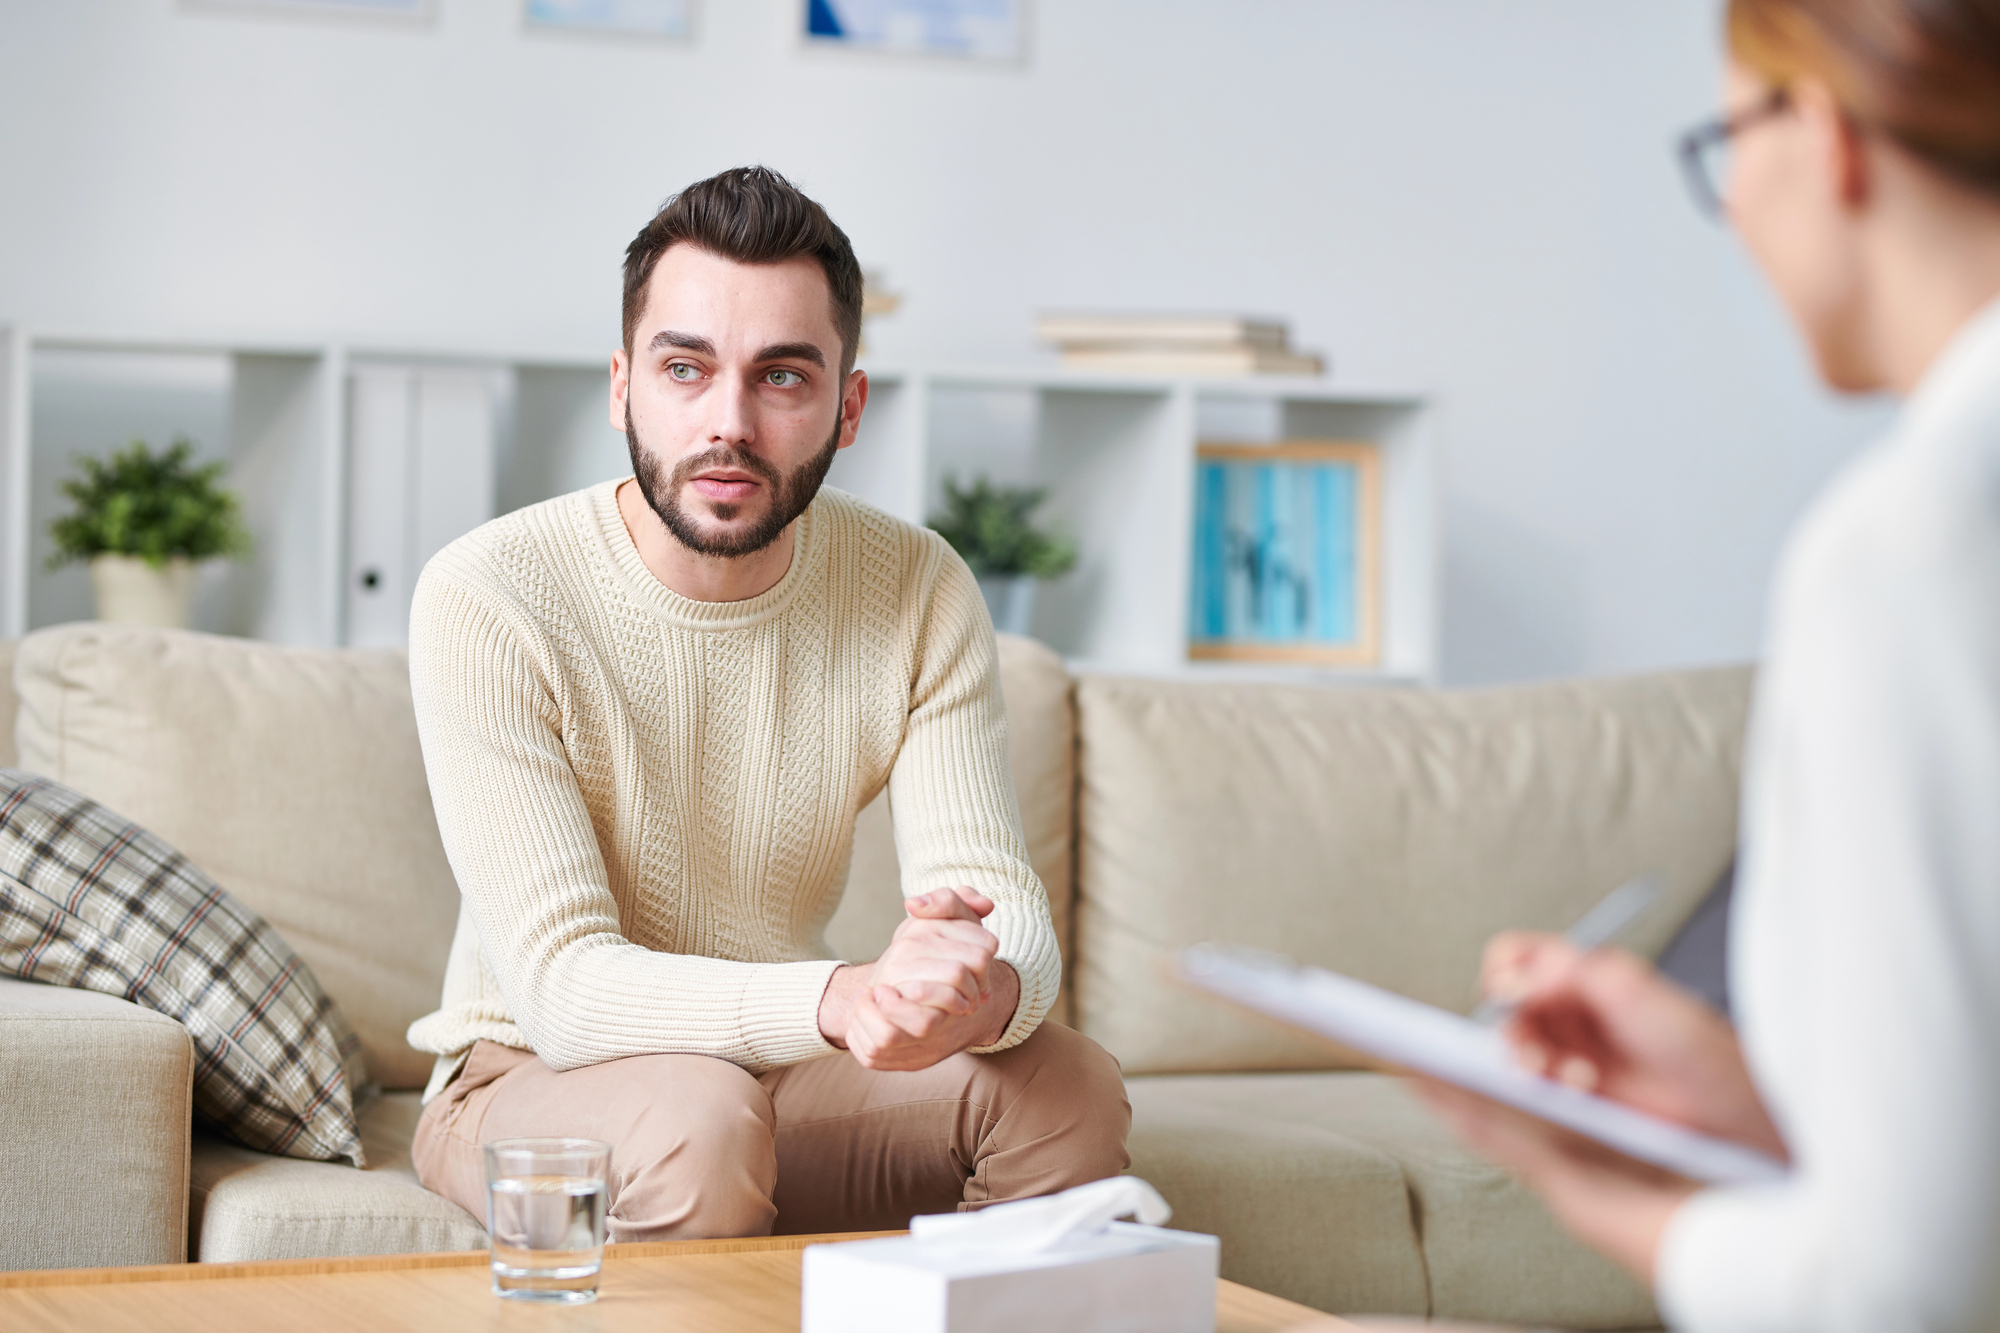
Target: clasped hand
[(935, 991)]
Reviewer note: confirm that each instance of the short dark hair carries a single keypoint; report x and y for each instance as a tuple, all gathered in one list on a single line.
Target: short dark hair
[(752, 215)]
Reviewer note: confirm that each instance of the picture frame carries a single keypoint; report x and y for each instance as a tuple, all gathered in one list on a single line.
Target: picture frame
[(1287, 553), (985, 31), (656, 20), (408, 12)]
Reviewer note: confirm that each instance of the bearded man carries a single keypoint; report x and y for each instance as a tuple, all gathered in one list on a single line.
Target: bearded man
[(650, 712)]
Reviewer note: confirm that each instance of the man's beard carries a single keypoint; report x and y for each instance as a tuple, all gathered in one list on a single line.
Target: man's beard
[(789, 494)]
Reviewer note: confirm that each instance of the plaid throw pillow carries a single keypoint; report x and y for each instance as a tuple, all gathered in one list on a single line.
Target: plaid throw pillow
[(91, 901)]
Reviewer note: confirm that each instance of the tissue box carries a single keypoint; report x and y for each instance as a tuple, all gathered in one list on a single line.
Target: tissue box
[(1127, 1277)]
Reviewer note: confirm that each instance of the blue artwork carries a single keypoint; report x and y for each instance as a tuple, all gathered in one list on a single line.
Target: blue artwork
[(982, 29), (646, 18), (1277, 551)]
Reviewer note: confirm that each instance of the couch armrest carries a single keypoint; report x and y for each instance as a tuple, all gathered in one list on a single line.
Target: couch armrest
[(97, 1097)]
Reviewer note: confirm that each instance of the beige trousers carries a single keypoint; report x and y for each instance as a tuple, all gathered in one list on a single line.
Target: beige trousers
[(700, 1148)]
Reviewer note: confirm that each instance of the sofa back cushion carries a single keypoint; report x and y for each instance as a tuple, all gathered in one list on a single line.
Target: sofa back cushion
[(1041, 748), (1382, 833), (292, 776)]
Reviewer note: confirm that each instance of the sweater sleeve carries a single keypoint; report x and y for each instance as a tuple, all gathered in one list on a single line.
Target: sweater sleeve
[(1871, 967), (958, 821), (527, 860)]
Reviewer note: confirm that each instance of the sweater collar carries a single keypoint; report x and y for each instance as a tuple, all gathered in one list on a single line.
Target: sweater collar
[(687, 612)]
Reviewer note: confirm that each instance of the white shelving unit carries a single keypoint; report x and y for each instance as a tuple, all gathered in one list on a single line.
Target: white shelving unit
[(355, 464), (1117, 455), (272, 411)]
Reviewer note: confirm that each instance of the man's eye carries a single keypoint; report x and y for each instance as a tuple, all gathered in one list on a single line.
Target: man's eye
[(683, 372), (785, 379)]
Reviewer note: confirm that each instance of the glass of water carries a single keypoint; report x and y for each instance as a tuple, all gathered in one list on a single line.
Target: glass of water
[(545, 1215)]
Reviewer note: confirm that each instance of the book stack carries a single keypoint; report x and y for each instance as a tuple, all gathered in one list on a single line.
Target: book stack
[(1176, 344)]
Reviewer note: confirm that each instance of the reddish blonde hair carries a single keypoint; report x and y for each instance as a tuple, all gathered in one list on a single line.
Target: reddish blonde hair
[(1926, 73)]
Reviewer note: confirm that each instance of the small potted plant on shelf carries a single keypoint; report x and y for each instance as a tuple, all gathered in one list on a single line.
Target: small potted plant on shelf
[(990, 527), (143, 521)]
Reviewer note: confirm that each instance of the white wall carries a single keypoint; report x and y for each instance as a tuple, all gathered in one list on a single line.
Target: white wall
[(1473, 197)]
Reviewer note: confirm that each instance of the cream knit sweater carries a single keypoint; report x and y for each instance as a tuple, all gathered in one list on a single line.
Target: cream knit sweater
[(649, 801)]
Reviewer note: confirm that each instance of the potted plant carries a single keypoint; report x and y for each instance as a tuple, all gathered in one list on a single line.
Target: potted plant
[(144, 521), (990, 527)]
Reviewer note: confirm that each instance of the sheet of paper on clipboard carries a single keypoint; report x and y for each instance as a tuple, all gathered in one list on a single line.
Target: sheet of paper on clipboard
[(1424, 1039)]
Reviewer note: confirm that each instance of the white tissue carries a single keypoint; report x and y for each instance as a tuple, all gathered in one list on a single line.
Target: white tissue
[(1035, 1226), (1059, 1264)]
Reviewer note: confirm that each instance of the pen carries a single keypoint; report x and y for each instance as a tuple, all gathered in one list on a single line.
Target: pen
[(1600, 925)]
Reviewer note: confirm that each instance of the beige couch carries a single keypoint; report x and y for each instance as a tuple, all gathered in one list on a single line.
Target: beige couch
[(1383, 832)]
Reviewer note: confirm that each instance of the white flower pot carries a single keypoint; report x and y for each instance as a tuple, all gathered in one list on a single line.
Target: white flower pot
[(1010, 600), (132, 592)]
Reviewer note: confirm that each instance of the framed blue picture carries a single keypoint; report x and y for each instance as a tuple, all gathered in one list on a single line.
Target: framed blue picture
[(1286, 553), (975, 29), (671, 19)]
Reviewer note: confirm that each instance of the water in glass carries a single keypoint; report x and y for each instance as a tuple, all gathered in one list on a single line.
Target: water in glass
[(546, 1220)]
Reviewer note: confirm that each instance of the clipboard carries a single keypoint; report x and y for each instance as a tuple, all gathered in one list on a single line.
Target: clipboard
[(1408, 1034)]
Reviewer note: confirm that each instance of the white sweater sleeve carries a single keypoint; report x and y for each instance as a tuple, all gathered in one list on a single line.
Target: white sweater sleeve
[(527, 860), (952, 795), (1867, 955)]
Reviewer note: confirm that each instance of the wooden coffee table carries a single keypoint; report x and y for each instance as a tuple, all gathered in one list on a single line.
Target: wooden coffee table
[(727, 1286)]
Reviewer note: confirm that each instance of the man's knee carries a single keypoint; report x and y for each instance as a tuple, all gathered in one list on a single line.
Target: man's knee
[(1071, 1087), (1081, 1063), (695, 1157)]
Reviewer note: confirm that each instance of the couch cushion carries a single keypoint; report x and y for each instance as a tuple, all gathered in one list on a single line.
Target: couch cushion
[(290, 775), (1041, 749), (247, 1205), (1303, 1211), (94, 1160), (1383, 833), (1489, 1247)]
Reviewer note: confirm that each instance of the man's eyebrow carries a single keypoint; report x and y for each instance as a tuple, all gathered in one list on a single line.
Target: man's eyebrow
[(692, 342), (793, 352)]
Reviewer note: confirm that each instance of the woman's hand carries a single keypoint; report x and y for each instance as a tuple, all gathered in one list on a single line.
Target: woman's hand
[(1608, 1022)]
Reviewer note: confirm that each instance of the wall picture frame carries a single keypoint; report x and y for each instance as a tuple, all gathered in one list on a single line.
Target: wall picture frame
[(664, 20), (422, 12), (979, 30), (1287, 553)]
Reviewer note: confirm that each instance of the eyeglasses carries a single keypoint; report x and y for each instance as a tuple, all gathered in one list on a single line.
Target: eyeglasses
[(1704, 151)]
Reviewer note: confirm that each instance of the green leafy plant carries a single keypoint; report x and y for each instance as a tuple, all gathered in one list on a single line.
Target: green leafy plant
[(153, 506), (989, 526)]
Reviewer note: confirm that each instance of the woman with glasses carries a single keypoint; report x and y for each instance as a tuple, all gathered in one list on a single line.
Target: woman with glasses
[(1859, 161)]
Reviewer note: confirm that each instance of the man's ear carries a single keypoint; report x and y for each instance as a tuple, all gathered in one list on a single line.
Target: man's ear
[(853, 399), (621, 385)]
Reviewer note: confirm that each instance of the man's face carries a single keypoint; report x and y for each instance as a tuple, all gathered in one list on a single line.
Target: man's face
[(732, 399)]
